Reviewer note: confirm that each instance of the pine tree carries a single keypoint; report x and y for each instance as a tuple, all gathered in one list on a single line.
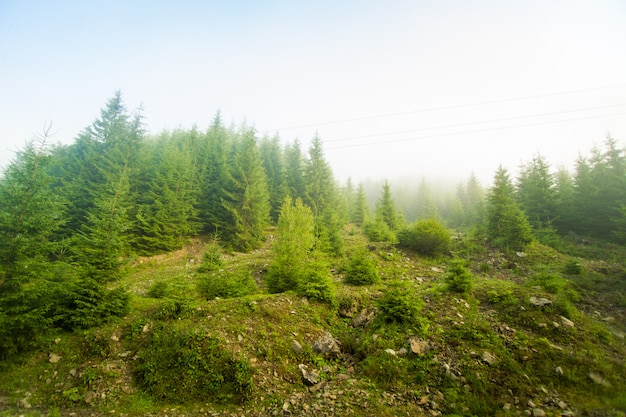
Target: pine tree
[(246, 197), (30, 213), (507, 226), (536, 194), (386, 211), (361, 210), (214, 177), (295, 239), (323, 197), (272, 156), (426, 207), (165, 212), (294, 171)]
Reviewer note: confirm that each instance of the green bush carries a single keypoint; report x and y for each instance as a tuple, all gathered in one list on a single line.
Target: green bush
[(158, 289), (227, 284), (573, 267), (316, 283), (211, 258), (378, 231), (399, 304), (458, 278), (179, 364), (427, 237), (361, 268)]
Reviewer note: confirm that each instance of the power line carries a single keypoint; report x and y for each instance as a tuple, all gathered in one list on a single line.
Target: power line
[(472, 131), (474, 123), (454, 106)]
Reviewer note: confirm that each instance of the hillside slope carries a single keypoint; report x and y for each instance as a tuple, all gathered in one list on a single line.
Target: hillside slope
[(539, 332)]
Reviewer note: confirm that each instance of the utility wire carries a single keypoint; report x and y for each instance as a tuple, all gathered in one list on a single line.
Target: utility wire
[(473, 123), (433, 109), (472, 131)]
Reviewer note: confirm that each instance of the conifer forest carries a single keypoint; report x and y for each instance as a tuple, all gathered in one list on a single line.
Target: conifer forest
[(220, 272)]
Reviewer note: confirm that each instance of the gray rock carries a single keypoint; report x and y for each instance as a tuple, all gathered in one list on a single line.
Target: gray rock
[(391, 352), (327, 344), (54, 358), (538, 412), (489, 358), (539, 301), (309, 377), (364, 317), (567, 322), (418, 346), (599, 379), (296, 346)]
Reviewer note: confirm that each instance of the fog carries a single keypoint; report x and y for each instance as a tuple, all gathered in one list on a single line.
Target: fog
[(395, 90)]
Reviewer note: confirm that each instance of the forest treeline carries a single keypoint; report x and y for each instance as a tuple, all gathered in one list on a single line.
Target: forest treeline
[(71, 216)]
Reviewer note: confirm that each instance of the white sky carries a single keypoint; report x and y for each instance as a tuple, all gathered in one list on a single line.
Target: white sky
[(473, 84)]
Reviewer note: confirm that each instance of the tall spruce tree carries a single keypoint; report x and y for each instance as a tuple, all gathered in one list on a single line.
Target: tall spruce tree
[(246, 198), (360, 211), (272, 155), (322, 196), (386, 211), (213, 177), (536, 193), (294, 171), (29, 215), (506, 224)]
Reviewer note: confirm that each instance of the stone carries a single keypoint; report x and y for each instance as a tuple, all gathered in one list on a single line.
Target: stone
[(489, 358), (418, 346), (89, 397), (558, 370), (567, 322), (327, 344), (506, 406), (296, 346), (538, 412), (599, 379), (539, 301), (364, 317), (391, 352), (562, 405), (402, 352), (309, 377), (115, 338), (54, 358)]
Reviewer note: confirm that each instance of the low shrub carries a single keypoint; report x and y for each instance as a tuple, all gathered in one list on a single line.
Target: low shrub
[(212, 257), (378, 231), (427, 237), (458, 277), (316, 283), (227, 284), (361, 268), (179, 364), (399, 304), (158, 289)]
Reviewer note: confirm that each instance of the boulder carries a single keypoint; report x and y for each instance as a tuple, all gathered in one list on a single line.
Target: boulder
[(418, 346), (364, 317), (309, 377), (327, 345), (539, 301)]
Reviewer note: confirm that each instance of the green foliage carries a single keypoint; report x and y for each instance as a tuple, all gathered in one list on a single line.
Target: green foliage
[(178, 364), (158, 289), (507, 225), (227, 284), (294, 242), (400, 304), (427, 237), (573, 267), (386, 211), (378, 231), (212, 257), (458, 277), (246, 197), (361, 268), (316, 283), (87, 303)]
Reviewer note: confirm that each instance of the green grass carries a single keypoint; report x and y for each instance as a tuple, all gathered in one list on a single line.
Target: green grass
[(246, 343)]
